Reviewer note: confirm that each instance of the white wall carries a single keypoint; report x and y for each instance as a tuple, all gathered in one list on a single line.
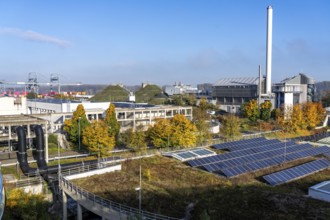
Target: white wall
[(12, 105)]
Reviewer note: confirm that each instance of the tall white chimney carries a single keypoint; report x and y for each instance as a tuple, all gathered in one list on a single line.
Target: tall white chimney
[(269, 49)]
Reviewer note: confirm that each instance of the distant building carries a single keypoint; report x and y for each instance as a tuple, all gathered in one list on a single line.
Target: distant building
[(180, 88), (205, 89), (231, 93), (293, 90), (129, 115)]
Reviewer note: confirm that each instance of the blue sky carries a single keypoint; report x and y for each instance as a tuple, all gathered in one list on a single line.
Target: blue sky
[(161, 41)]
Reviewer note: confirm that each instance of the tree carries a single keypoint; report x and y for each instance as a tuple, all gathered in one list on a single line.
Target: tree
[(190, 99), (202, 121), (183, 131), (320, 112), (96, 138), (252, 110), (265, 110), (21, 205), (178, 131), (177, 100), (314, 113), (297, 118), (203, 131), (31, 95), (203, 104), (160, 133), (112, 123), (138, 139), (231, 125), (76, 124), (310, 115), (275, 113), (284, 118), (326, 99)]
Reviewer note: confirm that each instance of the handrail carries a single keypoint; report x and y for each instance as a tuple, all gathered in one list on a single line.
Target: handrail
[(117, 207)]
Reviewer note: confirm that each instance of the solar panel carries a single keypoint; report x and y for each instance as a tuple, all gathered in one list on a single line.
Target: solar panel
[(244, 158), (202, 152), (253, 144), (297, 172), (190, 154), (186, 155), (236, 154), (327, 154), (268, 162), (235, 143)]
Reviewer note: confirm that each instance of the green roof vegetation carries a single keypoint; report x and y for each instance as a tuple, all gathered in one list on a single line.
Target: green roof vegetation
[(169, 186), (148, 94), (111, 94)]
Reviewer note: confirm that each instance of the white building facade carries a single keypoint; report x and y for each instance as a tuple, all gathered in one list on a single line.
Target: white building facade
[(297, 89), (12, 105)]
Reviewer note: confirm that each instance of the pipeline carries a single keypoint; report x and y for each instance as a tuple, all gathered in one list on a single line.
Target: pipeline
[(22, 154), (38, 153)]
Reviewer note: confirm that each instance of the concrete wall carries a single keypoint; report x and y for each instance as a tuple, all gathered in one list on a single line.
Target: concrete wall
[(12, 105), (317, 193), (94, 172)]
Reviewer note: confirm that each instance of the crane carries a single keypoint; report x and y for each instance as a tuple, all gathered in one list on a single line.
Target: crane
[(33, 85)]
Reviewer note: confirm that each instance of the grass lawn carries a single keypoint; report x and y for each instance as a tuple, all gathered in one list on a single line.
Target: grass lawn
[(169, 186)]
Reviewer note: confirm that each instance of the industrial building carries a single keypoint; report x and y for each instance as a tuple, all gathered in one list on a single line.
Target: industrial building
[(293, 90), (180, 88), (231, 93)]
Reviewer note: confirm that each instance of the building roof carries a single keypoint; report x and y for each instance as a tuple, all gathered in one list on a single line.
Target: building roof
[(301, 78), (241, 81)]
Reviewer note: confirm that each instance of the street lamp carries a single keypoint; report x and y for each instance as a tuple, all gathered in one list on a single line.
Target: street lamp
[(79, 132), (140, 196), (58, 160)]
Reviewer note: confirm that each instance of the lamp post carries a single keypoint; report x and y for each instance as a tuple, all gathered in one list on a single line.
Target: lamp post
[(79, 132), (140, 195), (58, 161)]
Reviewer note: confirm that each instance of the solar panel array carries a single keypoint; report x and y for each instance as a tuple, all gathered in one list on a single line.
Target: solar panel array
[(256, 157), (191, 154), (327, 154), (229, 145), (238, 154), (297, 172)]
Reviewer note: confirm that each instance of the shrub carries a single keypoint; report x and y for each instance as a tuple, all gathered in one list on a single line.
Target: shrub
[(52, 138)]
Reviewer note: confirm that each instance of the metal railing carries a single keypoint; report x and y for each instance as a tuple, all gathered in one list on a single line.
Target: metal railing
[(28, 181), (117, 207), (85, 168)]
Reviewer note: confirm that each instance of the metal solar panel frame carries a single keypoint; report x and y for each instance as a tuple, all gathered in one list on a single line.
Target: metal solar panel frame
[(234, 143), (296, 172), (243, 158), (262, 164)]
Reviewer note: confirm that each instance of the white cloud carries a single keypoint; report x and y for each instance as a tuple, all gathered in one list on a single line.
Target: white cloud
[(34, 36)]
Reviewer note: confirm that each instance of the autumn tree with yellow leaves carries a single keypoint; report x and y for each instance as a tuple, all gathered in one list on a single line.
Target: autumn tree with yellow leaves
[(251, 110), (160, 133), (76, 124), (265, 110), (174, 132), (111, 121), (96, 138), (301, 116)]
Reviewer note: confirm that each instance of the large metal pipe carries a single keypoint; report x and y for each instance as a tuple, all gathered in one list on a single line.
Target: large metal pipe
[(39, 153), (22, 154), (269, 49)]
